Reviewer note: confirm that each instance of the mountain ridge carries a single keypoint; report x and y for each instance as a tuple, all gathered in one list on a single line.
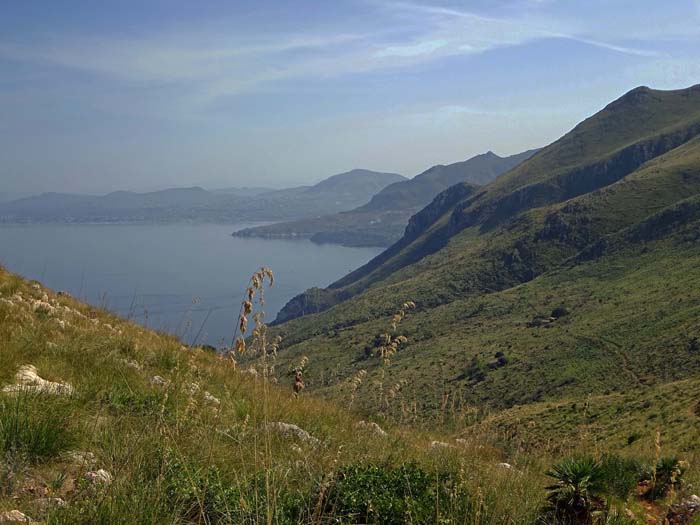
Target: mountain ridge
[(567, 285), (382, 220)]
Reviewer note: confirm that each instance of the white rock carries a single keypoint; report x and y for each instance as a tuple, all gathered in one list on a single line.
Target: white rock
[(211, 399), (290, 429), (439, 445), (46, 503), (81, 457), (99, 477), (61, 323), (36, 286), (461, 441), (159, 381), (43, 305), (6, 302), (28, 380), (130, 363), (372, 427), (192, 388), (252, 371), (504, 465), (14, 516)]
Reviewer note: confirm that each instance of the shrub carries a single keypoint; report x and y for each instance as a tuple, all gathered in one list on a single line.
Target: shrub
[(668, 475), (391, 495), (34, 426), (559, 311), (577, 489), (122, 399), (620, 475)]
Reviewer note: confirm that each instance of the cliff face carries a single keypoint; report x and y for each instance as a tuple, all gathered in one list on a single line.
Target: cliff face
[(312, 301)]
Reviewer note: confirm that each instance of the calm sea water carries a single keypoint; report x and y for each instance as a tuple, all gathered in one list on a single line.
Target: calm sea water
[(184, 279)]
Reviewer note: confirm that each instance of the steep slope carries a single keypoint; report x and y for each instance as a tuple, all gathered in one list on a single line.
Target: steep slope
[(382, 220), (613, 243), (103, 421), (605, 148)]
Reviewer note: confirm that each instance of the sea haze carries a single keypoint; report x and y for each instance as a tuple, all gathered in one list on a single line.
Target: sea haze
[(178, 278)]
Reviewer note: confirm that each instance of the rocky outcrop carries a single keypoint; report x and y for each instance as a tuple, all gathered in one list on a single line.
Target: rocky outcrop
[(583, 179), (311, 301)]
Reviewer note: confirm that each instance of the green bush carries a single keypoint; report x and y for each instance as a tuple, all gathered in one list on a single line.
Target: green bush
[(392, 495), (620, 475), (122, 399), (668, 475), (34, 426)]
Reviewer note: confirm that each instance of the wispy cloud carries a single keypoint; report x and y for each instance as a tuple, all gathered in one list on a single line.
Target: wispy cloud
[(215, 64)]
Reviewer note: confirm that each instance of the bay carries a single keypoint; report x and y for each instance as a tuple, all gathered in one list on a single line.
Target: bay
[(185, 279)]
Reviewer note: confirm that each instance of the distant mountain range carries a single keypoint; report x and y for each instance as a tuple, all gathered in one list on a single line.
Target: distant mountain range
[(337, 193), (382, 220)]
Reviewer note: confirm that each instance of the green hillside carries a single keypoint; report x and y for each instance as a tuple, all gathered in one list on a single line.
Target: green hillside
[(549, 286), (104, 422)]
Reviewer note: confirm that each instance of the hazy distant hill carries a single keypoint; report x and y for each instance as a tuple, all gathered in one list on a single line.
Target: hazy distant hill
[(576, 273), (337, 193), (244, 191), (382, 220)]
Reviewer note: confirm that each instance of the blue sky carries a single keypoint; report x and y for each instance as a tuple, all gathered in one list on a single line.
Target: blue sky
[(98, 96)]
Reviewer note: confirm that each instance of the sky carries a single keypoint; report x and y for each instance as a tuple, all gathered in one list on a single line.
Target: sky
[(148, 94)]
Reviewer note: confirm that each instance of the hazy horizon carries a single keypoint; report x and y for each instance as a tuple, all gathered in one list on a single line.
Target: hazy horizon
[(142, 97)]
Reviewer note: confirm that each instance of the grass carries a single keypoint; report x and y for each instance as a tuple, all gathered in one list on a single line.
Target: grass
[(177, 458), (34, 428)]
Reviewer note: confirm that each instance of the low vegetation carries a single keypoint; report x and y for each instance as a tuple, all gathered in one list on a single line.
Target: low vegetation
[(154, 432)]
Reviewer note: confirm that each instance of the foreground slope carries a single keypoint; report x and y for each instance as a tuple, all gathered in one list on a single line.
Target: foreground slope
[(125, 425), (382, 220), (107, 422)]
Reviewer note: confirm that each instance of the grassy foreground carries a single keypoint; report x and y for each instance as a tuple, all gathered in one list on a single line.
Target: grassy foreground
[(132, 427)]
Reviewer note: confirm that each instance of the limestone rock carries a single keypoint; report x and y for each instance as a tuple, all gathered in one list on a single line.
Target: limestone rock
[(99, 477), (211, 399), (28, 380), (290, 429), (47, 503), (159, 381), (14, 516), (372, 427), (439, 445), (81, 457)]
